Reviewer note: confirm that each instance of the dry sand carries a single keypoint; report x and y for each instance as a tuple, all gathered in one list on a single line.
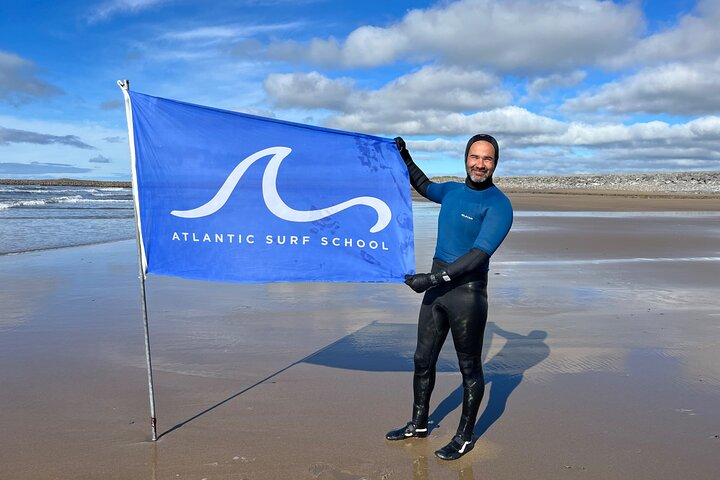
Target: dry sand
[(602, 361)]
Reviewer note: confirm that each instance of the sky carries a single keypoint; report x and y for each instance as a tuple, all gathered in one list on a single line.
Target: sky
[(566, 86)]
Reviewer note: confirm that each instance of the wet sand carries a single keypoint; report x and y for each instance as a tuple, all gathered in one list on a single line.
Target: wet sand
[(602, 361)]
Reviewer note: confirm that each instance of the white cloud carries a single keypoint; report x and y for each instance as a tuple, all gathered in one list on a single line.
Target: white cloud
[(511, 35), (206, 33), (438, 145), (308, 90), (409, 103), (113, 7), (370, 46), (435, 88), (675, 89), (18, 80), (11, 135), (538, 86), (705, 127), (220, 33), (694, 38), (99, 159), (554, 161), (505, 121), (579, 134), (59, 142), (703, 133)]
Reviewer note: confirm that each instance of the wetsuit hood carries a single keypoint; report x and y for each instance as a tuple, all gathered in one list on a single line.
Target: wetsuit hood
[(483, 137)]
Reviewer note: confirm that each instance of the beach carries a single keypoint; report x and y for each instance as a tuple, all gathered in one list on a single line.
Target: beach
[(602, 359)]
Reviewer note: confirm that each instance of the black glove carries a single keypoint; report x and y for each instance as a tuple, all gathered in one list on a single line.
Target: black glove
[(402, 148), (422, 281)]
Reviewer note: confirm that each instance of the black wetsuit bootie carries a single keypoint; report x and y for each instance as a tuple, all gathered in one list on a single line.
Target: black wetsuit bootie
[(457, 447), (408, 431)]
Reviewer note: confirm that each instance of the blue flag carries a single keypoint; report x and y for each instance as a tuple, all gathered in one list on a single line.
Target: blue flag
[(233, 197)]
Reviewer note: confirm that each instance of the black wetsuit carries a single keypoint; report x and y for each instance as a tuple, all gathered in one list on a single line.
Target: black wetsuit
[(474, 219)]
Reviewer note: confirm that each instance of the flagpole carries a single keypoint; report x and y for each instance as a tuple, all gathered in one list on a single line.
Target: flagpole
[(142, 262)]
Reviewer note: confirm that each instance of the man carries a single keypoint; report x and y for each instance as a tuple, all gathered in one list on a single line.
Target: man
[(474, 219)]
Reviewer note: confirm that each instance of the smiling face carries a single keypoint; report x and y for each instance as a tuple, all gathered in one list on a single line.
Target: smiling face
[(480, 162)]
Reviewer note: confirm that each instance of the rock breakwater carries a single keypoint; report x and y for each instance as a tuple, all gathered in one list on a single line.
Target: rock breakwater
[(686, 183)]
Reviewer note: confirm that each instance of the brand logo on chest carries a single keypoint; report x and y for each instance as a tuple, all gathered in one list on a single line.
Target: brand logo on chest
[(468, 217)]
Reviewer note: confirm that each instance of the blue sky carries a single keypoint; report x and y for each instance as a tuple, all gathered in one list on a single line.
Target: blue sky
[(566, 86)]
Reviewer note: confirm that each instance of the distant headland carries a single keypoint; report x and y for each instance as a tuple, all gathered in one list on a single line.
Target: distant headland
[(66, 182)]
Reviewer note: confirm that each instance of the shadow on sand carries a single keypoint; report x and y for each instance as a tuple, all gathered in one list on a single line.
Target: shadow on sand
[(389, 347)]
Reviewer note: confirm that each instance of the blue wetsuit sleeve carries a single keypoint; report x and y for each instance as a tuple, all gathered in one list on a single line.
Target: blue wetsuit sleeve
[(495, 226), (435, 192)]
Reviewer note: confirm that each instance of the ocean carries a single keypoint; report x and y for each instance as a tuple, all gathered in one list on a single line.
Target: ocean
[(35, 217)]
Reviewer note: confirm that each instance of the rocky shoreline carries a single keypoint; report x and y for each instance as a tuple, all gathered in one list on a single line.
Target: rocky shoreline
[(691, 184), (65, 182)]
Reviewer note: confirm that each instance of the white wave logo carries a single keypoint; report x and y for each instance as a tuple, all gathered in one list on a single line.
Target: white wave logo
[(272, 198)]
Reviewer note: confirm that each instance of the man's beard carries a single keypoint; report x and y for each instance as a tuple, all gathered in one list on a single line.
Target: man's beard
[(478, 176)]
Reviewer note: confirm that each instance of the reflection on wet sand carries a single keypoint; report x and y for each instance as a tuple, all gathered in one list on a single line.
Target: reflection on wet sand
[(421, 471), (503, 373)]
